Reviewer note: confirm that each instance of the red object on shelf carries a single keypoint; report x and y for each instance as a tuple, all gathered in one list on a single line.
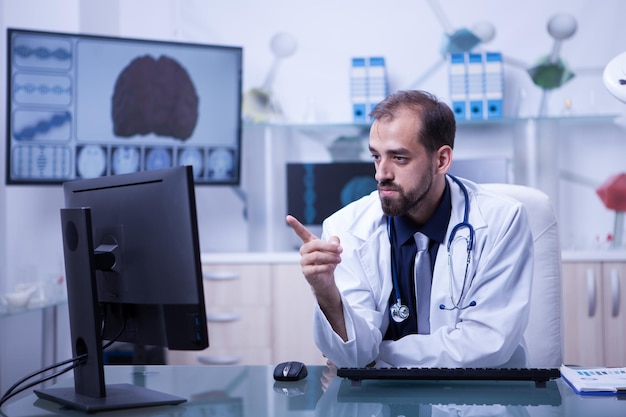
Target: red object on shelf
[(613, 192)]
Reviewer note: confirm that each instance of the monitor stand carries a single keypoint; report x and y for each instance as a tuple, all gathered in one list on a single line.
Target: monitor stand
[(90, 394), (118, 397)]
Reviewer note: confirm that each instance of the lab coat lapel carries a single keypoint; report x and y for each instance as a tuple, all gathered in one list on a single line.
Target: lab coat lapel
[(375, 253)]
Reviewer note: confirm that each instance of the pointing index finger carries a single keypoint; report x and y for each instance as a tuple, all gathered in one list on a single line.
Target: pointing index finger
[(302, 232)]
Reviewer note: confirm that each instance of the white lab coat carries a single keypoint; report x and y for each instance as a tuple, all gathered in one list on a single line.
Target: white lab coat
[(489, 334)]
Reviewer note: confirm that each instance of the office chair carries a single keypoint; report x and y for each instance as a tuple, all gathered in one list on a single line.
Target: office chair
[(544, 332)]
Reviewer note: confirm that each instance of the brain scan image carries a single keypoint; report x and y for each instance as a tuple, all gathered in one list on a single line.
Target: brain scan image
[(154, 96), (158, 158), (125, 159), (91, 161), (221, 164), (193, 157)]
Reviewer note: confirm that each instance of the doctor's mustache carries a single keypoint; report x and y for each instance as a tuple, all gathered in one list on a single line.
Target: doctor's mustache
[(388, 186)]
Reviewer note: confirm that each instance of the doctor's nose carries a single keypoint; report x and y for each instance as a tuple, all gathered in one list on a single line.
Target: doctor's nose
[(382, 173)]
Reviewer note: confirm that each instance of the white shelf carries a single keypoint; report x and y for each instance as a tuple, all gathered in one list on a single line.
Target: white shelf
[(584, 118)]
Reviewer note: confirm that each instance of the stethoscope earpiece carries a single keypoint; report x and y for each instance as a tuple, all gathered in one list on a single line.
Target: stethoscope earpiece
[(457, 307)]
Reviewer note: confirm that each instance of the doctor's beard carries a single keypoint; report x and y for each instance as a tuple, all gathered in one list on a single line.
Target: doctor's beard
[(406, 201)]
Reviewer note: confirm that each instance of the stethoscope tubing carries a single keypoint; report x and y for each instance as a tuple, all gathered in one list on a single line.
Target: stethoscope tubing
[(456, 304)]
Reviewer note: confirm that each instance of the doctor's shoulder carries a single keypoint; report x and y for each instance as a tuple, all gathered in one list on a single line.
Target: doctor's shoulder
[(498, 201)]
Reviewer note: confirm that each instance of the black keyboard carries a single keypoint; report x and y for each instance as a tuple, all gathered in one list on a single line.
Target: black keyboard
[(413, 393), (539, 375)]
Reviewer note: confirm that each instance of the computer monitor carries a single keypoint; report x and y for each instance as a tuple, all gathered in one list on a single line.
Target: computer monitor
[(83, 106), (133, 274)]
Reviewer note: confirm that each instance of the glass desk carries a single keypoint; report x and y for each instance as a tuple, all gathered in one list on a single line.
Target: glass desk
[(237, 391)]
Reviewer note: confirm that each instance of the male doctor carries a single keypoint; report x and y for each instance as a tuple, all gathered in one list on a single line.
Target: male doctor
[(474, 309)]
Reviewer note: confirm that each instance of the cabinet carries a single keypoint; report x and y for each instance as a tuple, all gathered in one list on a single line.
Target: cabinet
[(257, 313), (237, 300), (292, 316), (594, 313)]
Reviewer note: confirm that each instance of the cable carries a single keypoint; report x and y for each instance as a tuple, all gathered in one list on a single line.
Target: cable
[(9, 394), (78, 360)]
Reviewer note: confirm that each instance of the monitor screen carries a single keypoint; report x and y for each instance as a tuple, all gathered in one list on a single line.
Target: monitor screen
[(83, 106), (317, 190), (133, 271)]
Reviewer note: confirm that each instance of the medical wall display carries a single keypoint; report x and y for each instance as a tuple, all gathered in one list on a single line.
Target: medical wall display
[(317, 190), (83, 106)]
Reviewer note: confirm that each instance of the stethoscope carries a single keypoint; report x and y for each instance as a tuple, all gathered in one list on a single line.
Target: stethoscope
[(469, 240), (400, 312)]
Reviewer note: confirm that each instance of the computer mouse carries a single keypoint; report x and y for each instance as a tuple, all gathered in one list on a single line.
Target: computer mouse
[(290, 371)]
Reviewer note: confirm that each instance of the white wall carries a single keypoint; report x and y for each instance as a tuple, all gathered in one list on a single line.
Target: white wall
[(406, 32), (30, 238), (329, 34)]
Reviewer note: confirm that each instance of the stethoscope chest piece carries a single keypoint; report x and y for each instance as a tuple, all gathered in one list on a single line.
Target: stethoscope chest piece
[(399, 312)]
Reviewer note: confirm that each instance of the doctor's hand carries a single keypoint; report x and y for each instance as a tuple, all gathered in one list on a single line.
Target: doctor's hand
[(319, 260)]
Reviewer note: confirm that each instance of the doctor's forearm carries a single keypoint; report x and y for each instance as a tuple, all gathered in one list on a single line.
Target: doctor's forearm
[(331, 305)]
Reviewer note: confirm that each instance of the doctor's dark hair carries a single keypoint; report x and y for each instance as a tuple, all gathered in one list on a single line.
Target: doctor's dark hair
[(438, 122)]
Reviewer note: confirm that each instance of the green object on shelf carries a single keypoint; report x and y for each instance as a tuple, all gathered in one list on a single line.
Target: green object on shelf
[(548, 75)]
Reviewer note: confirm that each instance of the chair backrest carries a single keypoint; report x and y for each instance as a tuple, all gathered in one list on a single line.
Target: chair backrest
[(544, 332)]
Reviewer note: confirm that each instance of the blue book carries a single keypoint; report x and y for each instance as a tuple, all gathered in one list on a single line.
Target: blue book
[(377, 82), (458, 85), (475, 85), (358, 87), (494, 85)]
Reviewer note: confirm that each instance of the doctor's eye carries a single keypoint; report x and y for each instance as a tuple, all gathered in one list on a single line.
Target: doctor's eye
[(402, 160)]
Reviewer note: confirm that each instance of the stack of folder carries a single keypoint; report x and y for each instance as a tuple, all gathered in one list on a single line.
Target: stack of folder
[(476, 85), (368, 86)]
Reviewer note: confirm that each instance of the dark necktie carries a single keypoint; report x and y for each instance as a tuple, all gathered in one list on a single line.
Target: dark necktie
[(423, 281)]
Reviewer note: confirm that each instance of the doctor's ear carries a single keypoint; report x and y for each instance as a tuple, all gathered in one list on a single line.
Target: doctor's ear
[(444, 159)]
